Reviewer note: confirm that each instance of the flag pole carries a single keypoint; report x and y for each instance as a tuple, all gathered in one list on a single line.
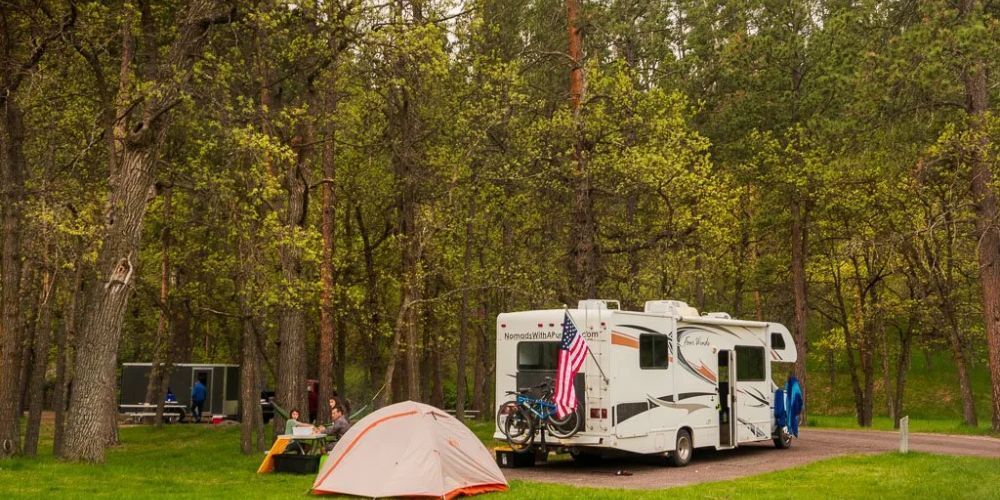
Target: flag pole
[(589, 351)]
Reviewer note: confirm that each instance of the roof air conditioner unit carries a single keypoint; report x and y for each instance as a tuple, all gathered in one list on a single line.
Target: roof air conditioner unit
[(671, 307), (719, 315)]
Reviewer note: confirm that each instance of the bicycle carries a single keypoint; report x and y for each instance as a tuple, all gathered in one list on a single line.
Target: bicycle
[(519, 418)]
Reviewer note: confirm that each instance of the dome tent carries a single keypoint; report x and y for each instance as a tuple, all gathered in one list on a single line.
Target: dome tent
[(409, 449)]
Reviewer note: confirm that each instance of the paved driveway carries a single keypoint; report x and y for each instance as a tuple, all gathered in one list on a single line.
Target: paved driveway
[(711, 465)]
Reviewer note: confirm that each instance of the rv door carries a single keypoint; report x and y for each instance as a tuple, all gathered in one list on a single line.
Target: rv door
[(727, 410), (752, 394)]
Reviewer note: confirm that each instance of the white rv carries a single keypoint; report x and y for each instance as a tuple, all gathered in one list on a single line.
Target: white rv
[(672, 379)]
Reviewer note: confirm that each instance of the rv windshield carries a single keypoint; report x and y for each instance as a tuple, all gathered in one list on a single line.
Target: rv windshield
[(537, 355)]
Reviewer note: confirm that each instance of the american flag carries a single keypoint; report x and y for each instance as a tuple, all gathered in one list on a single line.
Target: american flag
[(572, 353)]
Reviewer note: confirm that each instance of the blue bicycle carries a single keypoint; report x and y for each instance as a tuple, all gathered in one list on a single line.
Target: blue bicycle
[(520, 418)]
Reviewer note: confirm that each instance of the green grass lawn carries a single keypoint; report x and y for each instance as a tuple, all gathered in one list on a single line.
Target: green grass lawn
[(891, 475), (189, 461), (943, 425)]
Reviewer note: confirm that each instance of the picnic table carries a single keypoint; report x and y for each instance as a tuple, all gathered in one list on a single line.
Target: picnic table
[(173, 412), (317, 446)]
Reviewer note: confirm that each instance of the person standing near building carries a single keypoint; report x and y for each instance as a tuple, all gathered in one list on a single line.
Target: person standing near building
[(198, 395)]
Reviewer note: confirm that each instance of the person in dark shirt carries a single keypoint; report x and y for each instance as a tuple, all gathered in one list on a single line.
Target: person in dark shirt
[(337, 427)]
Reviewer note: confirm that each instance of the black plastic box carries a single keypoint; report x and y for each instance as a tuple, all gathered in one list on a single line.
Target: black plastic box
[(296, 464), (510, 459)]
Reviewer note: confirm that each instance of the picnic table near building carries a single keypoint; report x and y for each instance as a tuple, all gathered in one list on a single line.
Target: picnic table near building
[(172, 412)]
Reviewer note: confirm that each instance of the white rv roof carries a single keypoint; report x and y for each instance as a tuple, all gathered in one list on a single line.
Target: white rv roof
[(721, 321)]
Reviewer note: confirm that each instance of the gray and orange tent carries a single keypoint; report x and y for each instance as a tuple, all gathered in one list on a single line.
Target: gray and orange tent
[(409, 449)]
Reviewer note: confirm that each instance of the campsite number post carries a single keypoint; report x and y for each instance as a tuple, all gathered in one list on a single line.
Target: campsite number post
[(904, 434)]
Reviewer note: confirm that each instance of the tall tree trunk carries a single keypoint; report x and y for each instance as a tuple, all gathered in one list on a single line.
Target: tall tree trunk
[(340, 359), (291, 320), (373, 317), (328, 322), (799, 236), (252, 420), (65, 350), (411, 291), (181, 321), (461, 385), (432, 351), (92, 407), (867, 362), (902, 366), (28, 324), (388, 392), (633, 261), (584, 247), (12, 172), (850, 343), (887, 375), (977, 96), (40, 356), (962, 366), (102, 321), (406, 167), (411, 333), (251, 374), (163, 346), (479, 382)]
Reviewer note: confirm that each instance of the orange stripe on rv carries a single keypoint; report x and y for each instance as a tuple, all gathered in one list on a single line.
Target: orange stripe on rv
[(702, 369), (618, 338)]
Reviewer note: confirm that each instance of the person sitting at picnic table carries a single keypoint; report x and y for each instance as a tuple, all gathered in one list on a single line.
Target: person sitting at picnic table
[(336, 401), (170, 398), (293, 421), (337, 428)]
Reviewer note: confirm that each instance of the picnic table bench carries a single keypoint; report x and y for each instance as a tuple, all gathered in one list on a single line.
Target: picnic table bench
[(172, 412), (468, 413)]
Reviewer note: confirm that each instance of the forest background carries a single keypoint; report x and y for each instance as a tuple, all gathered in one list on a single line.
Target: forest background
[(351, 191)]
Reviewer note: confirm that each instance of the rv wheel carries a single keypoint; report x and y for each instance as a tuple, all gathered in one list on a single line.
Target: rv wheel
[(783, 440), (681, 455)]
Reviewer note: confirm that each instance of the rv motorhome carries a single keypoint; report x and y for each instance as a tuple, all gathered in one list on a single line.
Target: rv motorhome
[(664, 380)]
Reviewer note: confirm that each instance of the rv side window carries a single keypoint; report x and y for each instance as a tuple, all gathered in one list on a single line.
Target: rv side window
[(537, 355), (749, 363), (653, 351), (777, 341)]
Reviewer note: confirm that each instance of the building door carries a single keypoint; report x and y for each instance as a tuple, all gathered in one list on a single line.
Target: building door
[(205, 376)]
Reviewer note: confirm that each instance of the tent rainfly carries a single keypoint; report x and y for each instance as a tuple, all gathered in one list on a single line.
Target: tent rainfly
[(409, 449)]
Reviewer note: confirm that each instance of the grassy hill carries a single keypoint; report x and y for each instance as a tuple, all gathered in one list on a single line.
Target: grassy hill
[(932, 398)]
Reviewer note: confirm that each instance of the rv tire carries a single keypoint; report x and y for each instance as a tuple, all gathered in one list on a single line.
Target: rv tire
[(783, 440), (682, 453)]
